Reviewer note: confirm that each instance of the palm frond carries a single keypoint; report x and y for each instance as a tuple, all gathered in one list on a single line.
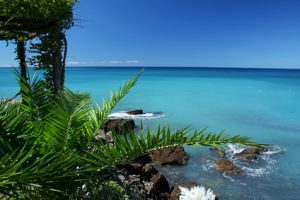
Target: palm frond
[(128, 147), (115, 97)]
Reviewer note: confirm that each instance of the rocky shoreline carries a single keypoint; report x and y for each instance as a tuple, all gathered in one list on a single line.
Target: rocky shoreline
[(145, 181)]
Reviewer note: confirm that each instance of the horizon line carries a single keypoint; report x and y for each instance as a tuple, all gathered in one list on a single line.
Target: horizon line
[(214, 67)]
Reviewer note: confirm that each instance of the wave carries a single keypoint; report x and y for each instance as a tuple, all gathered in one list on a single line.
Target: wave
[(124, 115), (264, 165)]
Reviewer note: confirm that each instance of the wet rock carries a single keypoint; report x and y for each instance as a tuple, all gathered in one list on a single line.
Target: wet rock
[(135, 112), (119, 125), (252, 150), (160, 183), (227, 166), (249, 153), (246, 156), (220, 153), (175, 191), (169, 155)]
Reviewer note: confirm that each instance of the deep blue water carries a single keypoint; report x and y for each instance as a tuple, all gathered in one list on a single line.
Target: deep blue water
[(261, 104)]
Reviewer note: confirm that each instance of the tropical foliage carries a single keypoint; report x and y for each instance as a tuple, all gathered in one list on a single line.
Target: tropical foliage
[(44, 21), (47, 145)]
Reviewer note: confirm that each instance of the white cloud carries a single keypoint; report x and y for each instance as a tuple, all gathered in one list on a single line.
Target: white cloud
[(115, 61), (102, 63), (74, 63), (133, 61)]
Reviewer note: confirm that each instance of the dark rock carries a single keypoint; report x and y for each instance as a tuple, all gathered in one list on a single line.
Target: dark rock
[(143, 159), (119, 125), (246, 156), (249, 153), (160, 183), (251, 150), (227, 166), (148, 171), (175, 191), (134, 168), (135, 112), (169, 155)]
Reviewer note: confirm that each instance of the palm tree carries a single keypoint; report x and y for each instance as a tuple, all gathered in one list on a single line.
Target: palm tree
[(44, 141)]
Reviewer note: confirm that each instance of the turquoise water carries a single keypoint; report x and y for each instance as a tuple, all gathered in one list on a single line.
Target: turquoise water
[(262, 104)]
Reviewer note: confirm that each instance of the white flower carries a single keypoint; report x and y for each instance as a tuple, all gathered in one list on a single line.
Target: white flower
[(196, 193)]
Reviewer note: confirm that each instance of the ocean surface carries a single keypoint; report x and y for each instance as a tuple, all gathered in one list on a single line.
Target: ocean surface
[(259, 103)]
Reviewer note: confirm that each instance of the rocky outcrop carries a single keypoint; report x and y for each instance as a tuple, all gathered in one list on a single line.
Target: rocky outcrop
[(135, 112), (160, 183), (175, 191), (170, 155), (145, 183), (227, 166), (249, 153), (119, 125)]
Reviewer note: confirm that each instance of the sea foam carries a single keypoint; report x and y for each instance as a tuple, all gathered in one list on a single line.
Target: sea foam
[(124, 115), (264, 165)]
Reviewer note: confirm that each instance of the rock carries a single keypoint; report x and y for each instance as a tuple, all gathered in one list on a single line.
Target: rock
[(119, 125), (134, 178), (175, 191), (104, 136), (134, 168), (169, 155), (227, 166), (160, 183), (252, 150), (220, 153), (143, 159), (148, 171), (135, 112), (246, 156), (249, 153)]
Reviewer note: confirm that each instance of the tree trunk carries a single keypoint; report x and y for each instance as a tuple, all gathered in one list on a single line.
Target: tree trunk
[(21, 53), (57, 70), (57, 62), (64, 58)]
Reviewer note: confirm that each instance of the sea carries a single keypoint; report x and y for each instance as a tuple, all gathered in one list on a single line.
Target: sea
[(263, 104)]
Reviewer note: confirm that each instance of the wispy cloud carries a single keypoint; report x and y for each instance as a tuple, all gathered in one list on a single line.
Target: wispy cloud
[(73, 63), (102, 62), (133, 61), (115, 61)]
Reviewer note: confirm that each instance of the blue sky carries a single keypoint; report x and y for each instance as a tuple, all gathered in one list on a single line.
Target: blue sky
[(208, 33)]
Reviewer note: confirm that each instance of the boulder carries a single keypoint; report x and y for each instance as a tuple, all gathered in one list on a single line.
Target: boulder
[(247, 157), (249, 153), (134, 168), (175, 191), (135, 112), (227, 166), (160, 183), (170, 155), (148, 171), (143, 159), (119, 125), (140, 166)]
